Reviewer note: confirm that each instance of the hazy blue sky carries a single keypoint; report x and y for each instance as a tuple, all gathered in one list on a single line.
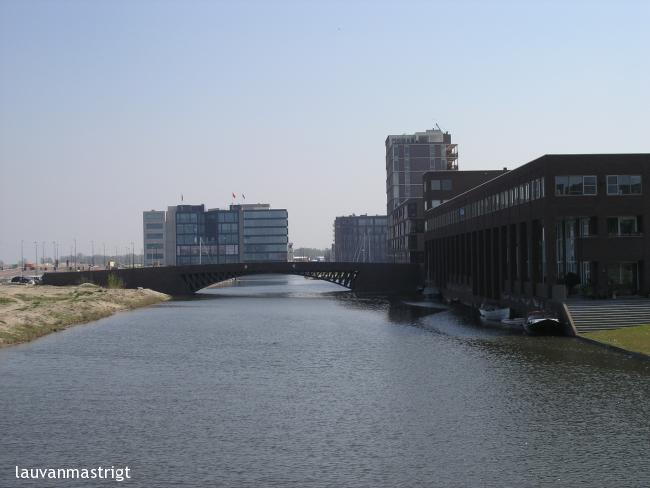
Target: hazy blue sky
[(109, 108)]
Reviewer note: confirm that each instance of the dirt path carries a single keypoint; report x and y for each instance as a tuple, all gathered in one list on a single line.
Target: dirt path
[(28, 312)]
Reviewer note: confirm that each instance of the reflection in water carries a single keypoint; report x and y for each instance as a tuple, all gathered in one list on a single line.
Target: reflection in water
[(284, 381)]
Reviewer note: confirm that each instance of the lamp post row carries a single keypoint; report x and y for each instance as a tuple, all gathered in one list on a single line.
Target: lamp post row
[(72, 261)]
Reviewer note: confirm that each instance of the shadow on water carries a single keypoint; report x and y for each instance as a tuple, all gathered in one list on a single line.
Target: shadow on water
[(458, 323)]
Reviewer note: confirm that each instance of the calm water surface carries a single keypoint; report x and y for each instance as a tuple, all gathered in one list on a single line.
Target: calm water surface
[(283, 381)]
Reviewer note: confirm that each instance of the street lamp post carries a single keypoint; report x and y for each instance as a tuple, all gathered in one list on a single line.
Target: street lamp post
[(36, 253), (75, 254), (22, 258), (92, 253)]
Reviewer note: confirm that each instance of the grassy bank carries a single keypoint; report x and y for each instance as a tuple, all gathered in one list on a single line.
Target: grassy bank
[(635, 339), (28, 312)]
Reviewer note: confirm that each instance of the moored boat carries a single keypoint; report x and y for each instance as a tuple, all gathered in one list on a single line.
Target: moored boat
[(492, 312), (539, 323)]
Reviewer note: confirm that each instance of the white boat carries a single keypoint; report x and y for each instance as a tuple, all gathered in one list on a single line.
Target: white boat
[(491, 312)]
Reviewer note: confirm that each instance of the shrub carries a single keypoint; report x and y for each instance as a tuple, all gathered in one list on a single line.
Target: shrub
[(114, 281)]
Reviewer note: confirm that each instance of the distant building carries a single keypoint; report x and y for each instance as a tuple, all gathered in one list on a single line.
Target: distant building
[(408, 157), (360, 238), (153, 225), (242, 233), (406, 230)]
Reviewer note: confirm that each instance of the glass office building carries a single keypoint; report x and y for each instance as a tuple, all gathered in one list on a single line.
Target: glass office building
[(222, 236), (265, 234), (190, 231), (242, 233)]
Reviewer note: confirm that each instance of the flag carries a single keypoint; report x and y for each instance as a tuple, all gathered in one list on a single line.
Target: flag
[(181, 197), (243, 196), (234, 196)]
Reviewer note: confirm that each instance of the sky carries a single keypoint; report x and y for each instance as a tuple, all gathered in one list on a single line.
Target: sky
[(109, 108)]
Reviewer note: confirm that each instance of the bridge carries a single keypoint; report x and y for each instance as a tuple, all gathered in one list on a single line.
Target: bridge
[(371, 278)]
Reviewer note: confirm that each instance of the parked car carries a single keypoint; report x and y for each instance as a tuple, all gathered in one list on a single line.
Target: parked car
[(22, 280)]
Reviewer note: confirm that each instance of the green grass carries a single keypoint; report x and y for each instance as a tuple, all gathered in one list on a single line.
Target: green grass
[(6, 301), (635, 339)]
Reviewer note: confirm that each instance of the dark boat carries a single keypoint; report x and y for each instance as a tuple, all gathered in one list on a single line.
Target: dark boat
[(539, 323)]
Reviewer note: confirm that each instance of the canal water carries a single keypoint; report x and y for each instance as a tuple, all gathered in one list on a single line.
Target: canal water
[(288, 382)]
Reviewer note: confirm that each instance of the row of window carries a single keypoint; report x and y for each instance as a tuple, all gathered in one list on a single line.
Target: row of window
[(228, 228), (154, 246), (153, 226), (265, 223), (517, 195), (587, 185), (616, 225), (195, 239), (265, 214), (154, 216), (220, 259), (352, 222), (206, 250), (153, 235), (266, 239), (155, 256), (575, 185), (187, 228), (222, 217), (265, 231), (185, 217), (257, 248), (268, 256)]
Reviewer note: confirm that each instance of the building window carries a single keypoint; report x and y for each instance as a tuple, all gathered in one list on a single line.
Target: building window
[(624, 184), (622, 226), (575, 185), (587, 226), (435, 185), (446, 185), (589, 185)]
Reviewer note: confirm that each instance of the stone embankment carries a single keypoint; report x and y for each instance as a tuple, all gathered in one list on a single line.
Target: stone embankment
[(28, 312)]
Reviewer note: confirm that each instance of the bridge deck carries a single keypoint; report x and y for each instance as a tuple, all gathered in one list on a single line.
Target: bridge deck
[(380, 278)]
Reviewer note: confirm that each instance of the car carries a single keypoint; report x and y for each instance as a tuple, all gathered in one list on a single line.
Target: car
[(22, 280)]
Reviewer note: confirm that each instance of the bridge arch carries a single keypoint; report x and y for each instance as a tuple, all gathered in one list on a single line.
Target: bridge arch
[(197, 280)]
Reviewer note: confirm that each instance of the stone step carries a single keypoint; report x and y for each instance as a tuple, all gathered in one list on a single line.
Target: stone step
[(609, 315), (617, 318)]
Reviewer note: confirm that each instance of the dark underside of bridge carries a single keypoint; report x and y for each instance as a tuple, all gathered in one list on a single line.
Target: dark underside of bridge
[(372, 278)]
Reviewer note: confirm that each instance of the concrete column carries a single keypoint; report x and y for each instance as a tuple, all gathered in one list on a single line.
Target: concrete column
[(489, 268), (473, 267)]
